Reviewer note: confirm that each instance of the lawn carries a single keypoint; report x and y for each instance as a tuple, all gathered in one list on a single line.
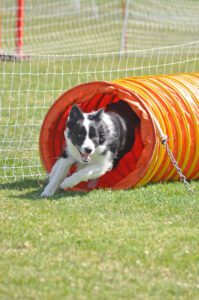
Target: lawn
[(135, 244)]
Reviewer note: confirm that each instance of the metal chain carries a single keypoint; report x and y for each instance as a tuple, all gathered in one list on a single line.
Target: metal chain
[(176, 166)]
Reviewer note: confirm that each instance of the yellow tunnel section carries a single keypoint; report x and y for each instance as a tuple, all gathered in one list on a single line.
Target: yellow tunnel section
[(173, 102)]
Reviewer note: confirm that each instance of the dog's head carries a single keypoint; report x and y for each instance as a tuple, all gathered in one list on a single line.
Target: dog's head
[(86, 132)]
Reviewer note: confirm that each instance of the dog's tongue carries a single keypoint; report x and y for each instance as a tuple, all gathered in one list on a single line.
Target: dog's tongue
[(85, 157)]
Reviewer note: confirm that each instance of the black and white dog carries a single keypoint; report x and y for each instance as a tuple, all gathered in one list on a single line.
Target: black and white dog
[(95, 142)]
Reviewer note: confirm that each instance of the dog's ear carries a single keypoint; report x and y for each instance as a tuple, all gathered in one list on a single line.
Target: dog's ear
[(76, 113), (98, 114)]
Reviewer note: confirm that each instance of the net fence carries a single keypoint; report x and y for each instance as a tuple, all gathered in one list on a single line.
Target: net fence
[(93, 26), (71, 42)]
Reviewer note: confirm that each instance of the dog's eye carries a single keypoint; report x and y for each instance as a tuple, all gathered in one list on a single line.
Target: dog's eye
[(92, 132), (80, 132)]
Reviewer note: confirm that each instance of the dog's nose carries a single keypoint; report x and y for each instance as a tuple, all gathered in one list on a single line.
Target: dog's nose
[(88, 150)]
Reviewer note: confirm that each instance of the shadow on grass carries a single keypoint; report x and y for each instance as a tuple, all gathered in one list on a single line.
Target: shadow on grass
[(35, 188)]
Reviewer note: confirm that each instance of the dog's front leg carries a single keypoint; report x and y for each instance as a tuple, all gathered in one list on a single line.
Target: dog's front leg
[(57, 175), (88, 173)]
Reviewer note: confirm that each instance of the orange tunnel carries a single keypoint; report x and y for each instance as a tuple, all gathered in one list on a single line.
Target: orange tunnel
[(167, 105)]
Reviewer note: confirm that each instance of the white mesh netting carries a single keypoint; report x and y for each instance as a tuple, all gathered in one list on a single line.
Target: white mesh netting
[(70, 42)]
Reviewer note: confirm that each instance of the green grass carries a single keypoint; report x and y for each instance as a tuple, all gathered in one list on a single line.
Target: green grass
[(136, 244)]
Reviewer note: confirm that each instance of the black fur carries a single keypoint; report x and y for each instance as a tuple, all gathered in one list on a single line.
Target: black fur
[(125, 122)]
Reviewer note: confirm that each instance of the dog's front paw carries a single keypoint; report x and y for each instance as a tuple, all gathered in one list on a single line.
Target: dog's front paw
[(66, 184), (47, 193)]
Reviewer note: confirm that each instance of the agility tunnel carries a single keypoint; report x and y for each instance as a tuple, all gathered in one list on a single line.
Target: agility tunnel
[(168, 108)]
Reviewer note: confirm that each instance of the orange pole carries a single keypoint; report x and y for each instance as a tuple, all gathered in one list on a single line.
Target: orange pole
[(123, 7), (19, 27)]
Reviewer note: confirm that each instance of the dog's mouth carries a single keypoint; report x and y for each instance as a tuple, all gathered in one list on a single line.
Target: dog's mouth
[(85, 157)]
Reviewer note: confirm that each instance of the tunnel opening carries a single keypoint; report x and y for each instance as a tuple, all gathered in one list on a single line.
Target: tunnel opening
[(133, 164)]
